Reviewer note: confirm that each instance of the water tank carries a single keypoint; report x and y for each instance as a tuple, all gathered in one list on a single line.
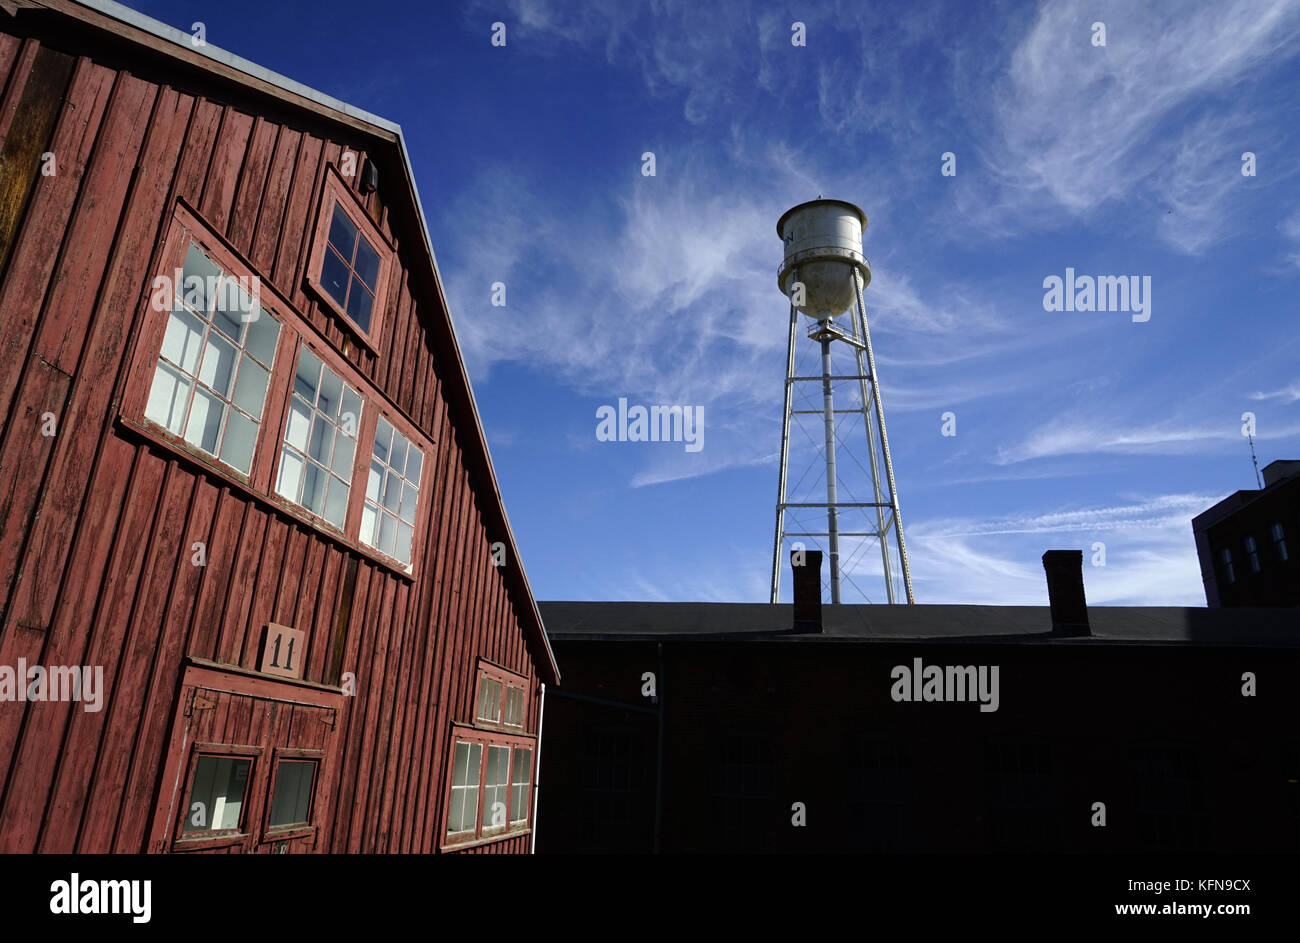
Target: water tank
[(823, 239)]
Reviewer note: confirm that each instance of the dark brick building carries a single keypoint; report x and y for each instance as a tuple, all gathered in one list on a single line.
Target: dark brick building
[(1170, 717), (1247, 543)]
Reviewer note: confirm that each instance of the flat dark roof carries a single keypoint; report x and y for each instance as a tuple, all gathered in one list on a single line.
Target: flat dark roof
[(627, 621)]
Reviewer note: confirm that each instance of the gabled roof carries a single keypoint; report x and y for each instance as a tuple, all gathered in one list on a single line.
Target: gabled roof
[(146, 33), (661, 621)]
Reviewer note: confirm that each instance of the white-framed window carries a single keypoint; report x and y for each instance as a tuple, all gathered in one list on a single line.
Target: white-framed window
[(210, 382), (392, 493), (1225, 557), (1252, 553), (496, 783), (489, 701), (1279, 542), (514, 706), (320, 440), (463, 816), (519, 792)]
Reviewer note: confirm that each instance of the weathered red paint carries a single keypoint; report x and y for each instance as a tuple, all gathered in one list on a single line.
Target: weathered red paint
[(97, 521)]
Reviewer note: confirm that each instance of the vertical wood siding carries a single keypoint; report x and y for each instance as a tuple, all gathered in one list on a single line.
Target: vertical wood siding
[(96, 523)]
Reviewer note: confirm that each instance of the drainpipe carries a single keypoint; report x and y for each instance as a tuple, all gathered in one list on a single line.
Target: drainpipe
[(537, 773), (659, 761)]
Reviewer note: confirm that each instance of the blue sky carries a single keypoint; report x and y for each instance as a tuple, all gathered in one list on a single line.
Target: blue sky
[(1072, 427)]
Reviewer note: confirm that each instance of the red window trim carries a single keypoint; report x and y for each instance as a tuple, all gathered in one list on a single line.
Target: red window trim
[(226, 836), (508, 679), (294, 332), (273, 833), (465, 733), (335, 190)]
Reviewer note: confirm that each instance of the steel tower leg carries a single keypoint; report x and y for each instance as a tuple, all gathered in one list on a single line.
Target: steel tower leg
[(897, 523), (832, 499), (868, 398), (785, 454)]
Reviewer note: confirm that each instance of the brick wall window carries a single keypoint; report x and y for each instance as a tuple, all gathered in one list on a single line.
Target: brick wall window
[(1279, 543), (1225, 560), (1252, 554)]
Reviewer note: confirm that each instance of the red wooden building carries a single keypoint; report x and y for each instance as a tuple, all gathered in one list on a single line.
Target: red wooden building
[(258, 591)]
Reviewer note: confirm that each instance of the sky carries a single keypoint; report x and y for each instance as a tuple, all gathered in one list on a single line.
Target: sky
[(1073, 429)]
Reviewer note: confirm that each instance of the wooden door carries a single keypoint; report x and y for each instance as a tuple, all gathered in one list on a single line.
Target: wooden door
[(245, 773)]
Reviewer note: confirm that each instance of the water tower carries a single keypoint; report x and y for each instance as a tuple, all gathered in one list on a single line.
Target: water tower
[(823, 274)]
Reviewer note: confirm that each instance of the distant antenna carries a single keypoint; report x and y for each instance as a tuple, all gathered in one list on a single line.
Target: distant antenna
[(1259, 481)]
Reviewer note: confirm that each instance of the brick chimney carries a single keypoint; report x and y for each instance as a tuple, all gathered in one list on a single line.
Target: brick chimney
[(807, 590), (1065, 592)]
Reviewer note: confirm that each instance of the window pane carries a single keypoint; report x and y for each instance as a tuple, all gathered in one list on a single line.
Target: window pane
[(199, 280), (392, 492), (376, 478), (313, 488), (350, 416), (291, 804), (334, 275), (457, 809), (205, 421), (387, 534), (409, 499), (345, 449), (403, 550), (495, 786), (307, 378), (218, 368), (321, 445), (414, 464), (475, 764), (168, 397), (336, 504), (397, 460), (217, 794), (263, 335), (290, 478), (250, 387), (367, 265), (383, 439), (523, 759), (460, 765), (359, 304), (237, 444), (182, 341), (331, 391), (369, 518), (343, 233), (298, 425), (232, 307)]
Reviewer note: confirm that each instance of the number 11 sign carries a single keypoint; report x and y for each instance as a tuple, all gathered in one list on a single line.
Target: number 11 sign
[(282, 651)]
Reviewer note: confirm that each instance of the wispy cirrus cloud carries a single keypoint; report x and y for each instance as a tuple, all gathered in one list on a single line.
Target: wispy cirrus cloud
[(1287, 395), (1079, 437), (1149, 556), (1076, 128)]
